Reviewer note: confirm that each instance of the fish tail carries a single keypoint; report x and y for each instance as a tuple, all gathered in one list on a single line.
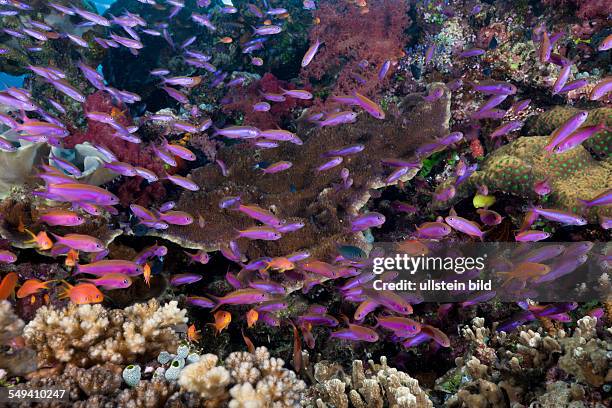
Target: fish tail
[(585, 203), (32, 234)]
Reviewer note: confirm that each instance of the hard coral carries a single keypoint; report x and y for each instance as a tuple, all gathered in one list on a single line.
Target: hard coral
[(350, 36), (573, 175), (260, 381), (90, 334), (377, 386), (499, 366), (302, 193)]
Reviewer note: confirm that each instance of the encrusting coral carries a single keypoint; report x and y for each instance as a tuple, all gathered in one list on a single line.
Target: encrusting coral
[(260, 381), (377, 386), (90, 334)]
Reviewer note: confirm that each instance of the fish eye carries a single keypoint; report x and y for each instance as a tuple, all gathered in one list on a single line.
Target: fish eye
[(125, 281)]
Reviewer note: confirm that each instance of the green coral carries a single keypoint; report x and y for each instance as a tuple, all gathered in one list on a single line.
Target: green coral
[(573, 175), (600, 144)]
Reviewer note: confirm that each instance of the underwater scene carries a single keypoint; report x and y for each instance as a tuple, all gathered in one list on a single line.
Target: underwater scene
[(306, 203)]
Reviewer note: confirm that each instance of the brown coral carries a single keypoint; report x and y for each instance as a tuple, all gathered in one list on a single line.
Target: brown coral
[(89, 334), (300, 193)]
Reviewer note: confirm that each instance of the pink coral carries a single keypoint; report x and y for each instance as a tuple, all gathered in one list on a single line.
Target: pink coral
[(243, 101), (354, 36), (132, 190)]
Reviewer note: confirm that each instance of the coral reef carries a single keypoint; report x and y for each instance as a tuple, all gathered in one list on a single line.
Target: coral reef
[(90, 334), (377, 386), (259, 380), (573, 175), (300, 193), (511, 368), (352, 37)]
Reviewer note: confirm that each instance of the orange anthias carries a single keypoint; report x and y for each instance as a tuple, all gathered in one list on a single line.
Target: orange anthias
[(32, 287), (222, 320), (82, 294), (252, 317), (147, 274), (7, 285), (280, 264), (72, 257), (193, 335), (41, 239)]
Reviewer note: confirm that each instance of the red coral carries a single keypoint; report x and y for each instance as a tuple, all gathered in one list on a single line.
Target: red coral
[(349, 36), (242, 100), (135, 154)]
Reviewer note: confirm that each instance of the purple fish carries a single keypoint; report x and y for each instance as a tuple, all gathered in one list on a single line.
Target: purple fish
[(562, 79), (356, 333), (572, 86), (577, 137), (562, 267), (365, 221), (495, 88), (268, 287), (434, 94), (7, 256), (462, 225), (566, 129), (200, 301), (563, 217), (383, 70), (531, 236), (601, 200), (277, 167), (473, 52), (506, 128), (184, 279)]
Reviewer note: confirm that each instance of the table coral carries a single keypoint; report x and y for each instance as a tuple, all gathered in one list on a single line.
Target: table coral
[(300, 193), (377, 386), (90, 334)]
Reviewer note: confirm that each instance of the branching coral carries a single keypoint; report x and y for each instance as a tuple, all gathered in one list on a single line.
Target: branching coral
[(377, 386), (260, 381), (90, 334), (514, 366)]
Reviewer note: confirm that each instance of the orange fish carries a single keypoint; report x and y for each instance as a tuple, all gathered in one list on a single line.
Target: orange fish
[(7, 286), (32, 287), (72, 257), (147, 274), (193, 335), (248, 342), (412, 247), (226, 40), (21, 226), (117, 113), (82, 294), (222, 320), (252, 317), (525, 271), (41, 239), (297, 349), (268, 22), (316, 21), (280, 264)]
